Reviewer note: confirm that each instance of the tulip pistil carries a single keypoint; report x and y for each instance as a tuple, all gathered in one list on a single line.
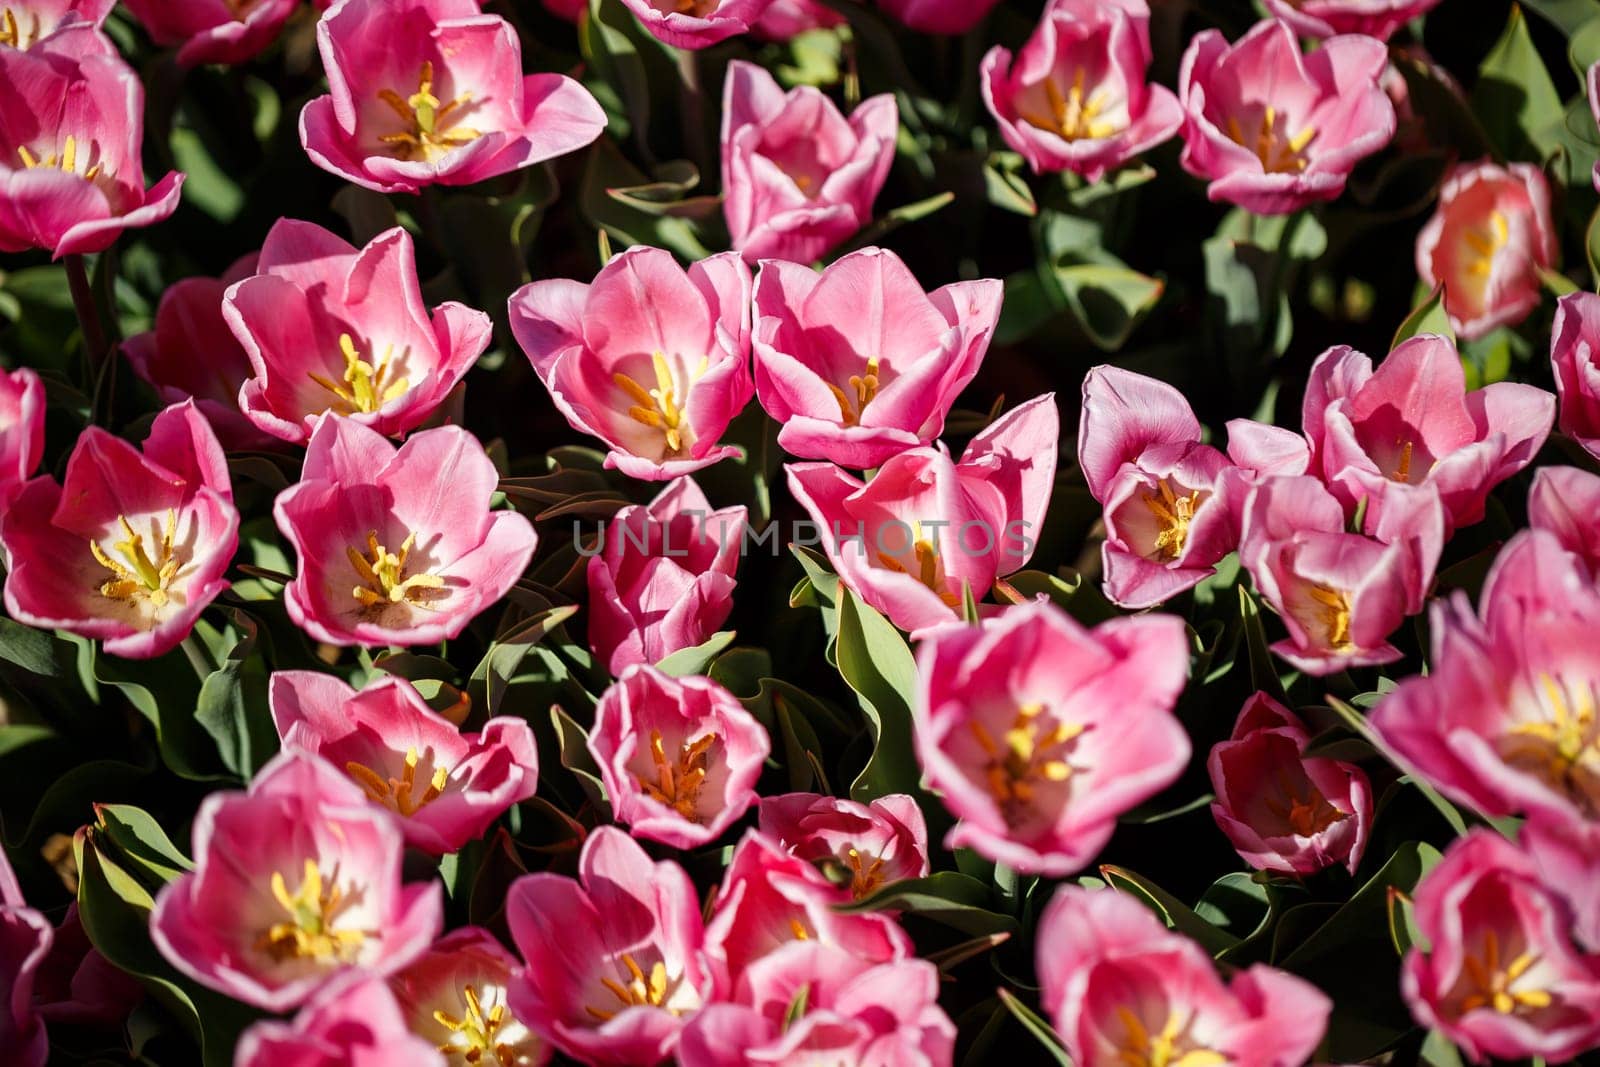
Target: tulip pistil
[(66, 161), (366, 386), (1494, 985), (1141, 1048), (1174, 512), (313, 910), (1309, 816), (137, 575), (863, 387), (641, 990), (474, 1035), (431, 128), (400, 794), (1072, 115), (864, 877), (660, 408), (1024, 756), (1483, 245), (678, 780), (384, 575), (1334, 608), (1279, 152)]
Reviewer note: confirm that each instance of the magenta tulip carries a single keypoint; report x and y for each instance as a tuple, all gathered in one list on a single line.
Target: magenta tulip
[(1575, 359), (25, 940), (26, 23), (947, 17), (1564, 502), (22, 404), (696, 23), (213, 31), (1328, 18), (862, 848), (355, 1023)]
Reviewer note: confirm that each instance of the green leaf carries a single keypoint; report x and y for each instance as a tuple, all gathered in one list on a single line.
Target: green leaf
[(1427, 317), (948, 897), (233, 705), (492, 676), (1108, 302), (1006, 188), (1263, 668), (874, 660), (1591, 246), (575, 755), (895, 219), (696, 660), (141, 843), (1514, 95), (32, 650), (1569, 16), (1176, 914), (1036, 1026)]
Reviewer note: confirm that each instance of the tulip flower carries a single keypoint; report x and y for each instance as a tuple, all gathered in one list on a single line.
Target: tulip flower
[(1487, 243), (650, 358), (1329, 18), (25, 23), (797, 177), (679, 757), (1121, 988), (1052, 112), (355, 1022), (1282, 811), (213, 31), (924, 528), (25, 940), (1167, 520), (22, 404), (614, 958), (296, 883), (189, 321), (1505, 720), (816, 1003), (948, 17), (1499, 975), (77, 986), (132, 546), (1039, 732), (445, 787), (454, 996), (784, 20), (431, 92), (1273, 130), (71, 170), (858, 363), (1340, 594), (328, 328), (696, 23), (860, 848), (1575, 360), (1564, 502), (770, 898), (1567, 853), (397, 546), (1411, 426)]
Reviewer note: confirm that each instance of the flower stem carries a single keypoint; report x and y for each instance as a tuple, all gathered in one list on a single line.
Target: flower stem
[(94, 333)]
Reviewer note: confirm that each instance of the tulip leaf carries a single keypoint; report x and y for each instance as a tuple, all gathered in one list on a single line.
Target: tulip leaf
[(874, 660), (1006, 188), (1109, 302), (1172, 911), (1591, 245), (575, 756), (1569, 16), (493, 675), (1514, 96), (1263, 671), (1036, 1026), (163, 691), (141, 843), (1403, 931), (696, 660), (948, 897), (33, 650), (233, 705)]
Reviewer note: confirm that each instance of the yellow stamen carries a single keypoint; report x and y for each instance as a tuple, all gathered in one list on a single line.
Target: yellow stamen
[(1493, 986), (1279, 152), (864, 877), (660, 408), (1563, 747), (1141, 1048), (1023, 757), (1335, 612), (930, 570), (1174, 512), (863, 389), (678, 780), (66, 161), (1306, 816), (10, 33), (475, 1033), (1073, 115), (384, 578), (1485, 244), (366, 387), (399, 794), (136, 576), (641, 989), (430, 131), (313, 910)]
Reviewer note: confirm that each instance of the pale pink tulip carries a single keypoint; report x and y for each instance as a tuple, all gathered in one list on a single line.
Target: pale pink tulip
[(696, 23), (861, 848), (1575, 361), (22, 404), (354, 1023), (783, 20), (25, 23), (213, 31), (1328, 18), (455, 997), (1564, 502)]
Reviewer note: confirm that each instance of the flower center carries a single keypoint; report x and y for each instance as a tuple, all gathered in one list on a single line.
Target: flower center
[(476, 1033), (930, 570), (1333, 607), (1141, 1048), (1279, 152), (1024, 756), (313, 909), (366, 387), (1564, 743), (1174, 513), (864, 877), (697, 8), (1494, 986), (430, 128), (660, 408), (137, 575), (12, 33), (400, 794), (67, 160), (1072, 115), (1484, 243), (1306, 817), (678, 781), (641, 990), (385, 578), (864, 386)]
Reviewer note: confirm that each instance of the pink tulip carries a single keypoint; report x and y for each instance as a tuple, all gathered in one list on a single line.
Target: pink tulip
[(431, 92), (1273, 130), (858, 363), (1505, 719), (71, 176), (1411, 426), (1575, 359), (1499, 976), (1039, 732), (131, 548), (328, 328), (25, 940), (949, 17), (1487, 243), (397, 546), (455, 997), (26, 23), (213, 31), (22, 404), (861, 848), (797, 177), (1282, 811), (770, 898), (77, 986), (1567, 853), (679, 757), (445, 787), (651, 359), (191, 353), (1121, 988), (924, 528), (1564, 502), (784, 20), (1051, 111), (354, 1023), (663, 580), (615, 960), (851, 1011), (296, 883), (1340, 594), (1168, 521), (1328, 18), (696, 23)]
